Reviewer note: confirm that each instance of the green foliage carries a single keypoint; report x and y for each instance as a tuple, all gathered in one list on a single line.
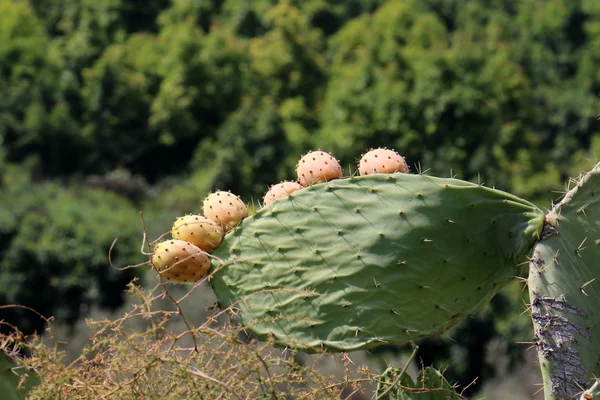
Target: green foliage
[(481, 90), (54, 243), (34, 114), (459, 91)]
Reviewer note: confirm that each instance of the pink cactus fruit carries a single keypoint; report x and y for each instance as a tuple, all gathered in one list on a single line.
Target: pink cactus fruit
[(225, 208), (198, 230), (180, 261), (382, 161), (280, 190), (318, 166)]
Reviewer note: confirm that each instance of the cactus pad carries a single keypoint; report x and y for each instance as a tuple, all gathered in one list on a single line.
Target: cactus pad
[(15, 381), (362, 261), (564, 287)]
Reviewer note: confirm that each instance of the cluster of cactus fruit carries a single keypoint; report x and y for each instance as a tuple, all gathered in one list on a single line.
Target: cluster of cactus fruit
[(333, 263), (186, 257)]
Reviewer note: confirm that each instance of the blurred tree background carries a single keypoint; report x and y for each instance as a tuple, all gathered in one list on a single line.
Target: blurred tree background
[(110, 107)]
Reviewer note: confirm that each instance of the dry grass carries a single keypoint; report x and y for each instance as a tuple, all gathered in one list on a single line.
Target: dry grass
[(171, 344), (214, 360)]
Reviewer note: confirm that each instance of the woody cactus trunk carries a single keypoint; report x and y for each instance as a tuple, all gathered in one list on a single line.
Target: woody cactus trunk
[(388, 258)]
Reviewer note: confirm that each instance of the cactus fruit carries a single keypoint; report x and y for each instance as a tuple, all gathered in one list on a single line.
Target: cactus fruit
[(198, 230), (340, 266), (180, 261), (382, 161), (316, 167), (225, 208), (280, 190)]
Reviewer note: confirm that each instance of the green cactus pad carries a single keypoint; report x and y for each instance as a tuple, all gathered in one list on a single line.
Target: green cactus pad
[(15, 381), (362, 261), (564, 286), (431, 385)]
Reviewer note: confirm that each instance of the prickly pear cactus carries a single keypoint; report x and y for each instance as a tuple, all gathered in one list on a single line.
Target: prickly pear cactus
[(357, 262), (564, 285)]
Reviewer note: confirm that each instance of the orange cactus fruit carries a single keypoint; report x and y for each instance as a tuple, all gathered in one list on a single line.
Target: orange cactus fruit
[(180, 261)]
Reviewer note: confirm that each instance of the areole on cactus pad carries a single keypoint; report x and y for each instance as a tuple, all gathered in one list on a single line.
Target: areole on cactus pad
[(362, 261)]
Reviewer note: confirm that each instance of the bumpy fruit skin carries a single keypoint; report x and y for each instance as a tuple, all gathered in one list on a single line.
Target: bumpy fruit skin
[(382, 161), (225, 208), (280, 190), (316, 167), (180, 261), (198, 230)]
